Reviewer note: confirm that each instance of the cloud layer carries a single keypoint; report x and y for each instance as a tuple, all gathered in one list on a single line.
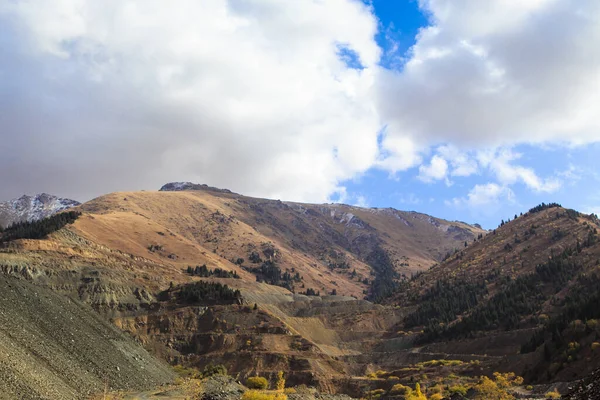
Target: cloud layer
[(288, 99), (250, 95)]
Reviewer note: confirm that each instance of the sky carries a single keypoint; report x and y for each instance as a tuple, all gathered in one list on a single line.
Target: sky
[(464, 109)]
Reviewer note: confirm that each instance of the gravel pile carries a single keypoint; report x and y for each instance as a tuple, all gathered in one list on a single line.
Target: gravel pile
[(53, 347), (220, 387)]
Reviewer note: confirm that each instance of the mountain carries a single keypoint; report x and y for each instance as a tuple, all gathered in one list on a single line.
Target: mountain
[(530, 287), (343, 298), (135, 257), (322, 247), (32, 208)]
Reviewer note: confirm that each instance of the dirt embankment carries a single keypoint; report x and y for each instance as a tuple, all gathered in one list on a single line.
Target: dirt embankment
[(53, 347)]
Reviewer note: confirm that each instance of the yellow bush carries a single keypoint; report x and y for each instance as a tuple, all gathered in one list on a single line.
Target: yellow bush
[(416, 394), (507, 380), (458, 389), (289, 391), (280, 382), (257, 382), (595, 346), (553, 394), (436, 396), (401, 389), (393, 378), (487, 389), (257, 395)]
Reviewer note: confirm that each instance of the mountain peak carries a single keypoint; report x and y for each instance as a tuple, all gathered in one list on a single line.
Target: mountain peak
[(32, 208), (181, 186)]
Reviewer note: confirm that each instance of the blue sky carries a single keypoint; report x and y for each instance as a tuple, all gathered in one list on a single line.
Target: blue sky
[(468, 110), (576, 167)]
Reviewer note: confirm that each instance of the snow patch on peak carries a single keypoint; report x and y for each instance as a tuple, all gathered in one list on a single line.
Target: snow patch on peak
[(32, 208), (181, 186)]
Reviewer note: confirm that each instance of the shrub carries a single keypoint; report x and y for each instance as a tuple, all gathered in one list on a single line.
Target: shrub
[(553, 394), (458, 389), (211, 370), (436, 396), (375, 394), (487, 389), (186, 372), (257, 382), (507, 380), (417, 394), (256, 395), (595, 346), (280, 382), (401, 389)]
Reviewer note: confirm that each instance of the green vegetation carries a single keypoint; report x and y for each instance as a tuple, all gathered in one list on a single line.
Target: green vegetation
[(206, 292), (205, 272), (562, 335), (270, 273), (543, 207), (519, 297), (385, 275), (38, 229), (212, 370), (311, 292), (444, 301)]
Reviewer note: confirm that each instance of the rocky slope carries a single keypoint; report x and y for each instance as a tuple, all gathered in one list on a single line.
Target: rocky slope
[(52, 347), (32, 208)]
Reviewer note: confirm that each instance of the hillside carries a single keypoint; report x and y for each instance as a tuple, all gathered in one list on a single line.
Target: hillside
[(537, 276), (322, 247), (52, 347)]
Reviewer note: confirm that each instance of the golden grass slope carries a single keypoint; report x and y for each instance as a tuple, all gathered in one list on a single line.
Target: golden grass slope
[(212, 228)]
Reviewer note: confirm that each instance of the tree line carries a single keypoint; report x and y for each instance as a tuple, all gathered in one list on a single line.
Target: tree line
[(38, 229), (205, 272)]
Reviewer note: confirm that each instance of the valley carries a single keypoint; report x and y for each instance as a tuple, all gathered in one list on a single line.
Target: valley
[(348, 300)]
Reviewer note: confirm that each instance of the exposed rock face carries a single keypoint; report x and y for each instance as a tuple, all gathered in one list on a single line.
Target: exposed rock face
[(32, 208)]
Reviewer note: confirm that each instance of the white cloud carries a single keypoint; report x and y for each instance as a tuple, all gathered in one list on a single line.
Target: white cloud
[(435, 171), (499, 162), (251, 95), (361, 201), (484, 195), (255, 96), (498, 73), (462, 164)]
